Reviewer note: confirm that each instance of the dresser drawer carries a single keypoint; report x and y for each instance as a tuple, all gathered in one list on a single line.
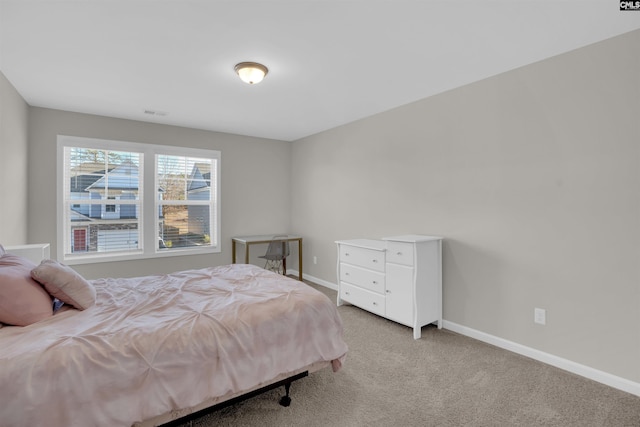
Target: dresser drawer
[(362, 257), (362, 277), (363, 298), (400, 253)]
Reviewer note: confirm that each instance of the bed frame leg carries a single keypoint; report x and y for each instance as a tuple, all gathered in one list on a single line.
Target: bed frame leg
[(286, 400)]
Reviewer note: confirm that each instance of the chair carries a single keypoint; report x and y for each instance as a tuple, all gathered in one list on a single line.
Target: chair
[(276, 255)]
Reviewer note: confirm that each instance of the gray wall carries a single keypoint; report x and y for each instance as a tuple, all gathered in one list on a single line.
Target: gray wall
[(533, 179), (531, 176), (250, 203), (13, 164)]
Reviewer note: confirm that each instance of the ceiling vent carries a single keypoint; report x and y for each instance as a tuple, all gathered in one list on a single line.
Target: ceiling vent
[(155, 113)]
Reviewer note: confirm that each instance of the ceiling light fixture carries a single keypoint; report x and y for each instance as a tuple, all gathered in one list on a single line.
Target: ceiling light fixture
[(251, 72)]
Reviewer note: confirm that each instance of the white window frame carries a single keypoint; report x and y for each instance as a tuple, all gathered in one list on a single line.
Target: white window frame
[(148, 225)]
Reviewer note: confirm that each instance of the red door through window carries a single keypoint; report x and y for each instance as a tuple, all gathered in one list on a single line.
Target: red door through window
[(79, 240)]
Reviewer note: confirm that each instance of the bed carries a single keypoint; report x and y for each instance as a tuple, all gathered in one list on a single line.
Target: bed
[(157, 348)]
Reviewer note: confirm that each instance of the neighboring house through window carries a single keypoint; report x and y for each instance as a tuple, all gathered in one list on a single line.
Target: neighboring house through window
[(123, 200)]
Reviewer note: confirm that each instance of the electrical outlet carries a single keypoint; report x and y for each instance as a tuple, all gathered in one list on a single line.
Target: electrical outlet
[(315, 259), (540, 316)]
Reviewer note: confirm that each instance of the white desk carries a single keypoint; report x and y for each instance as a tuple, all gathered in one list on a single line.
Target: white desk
[(247, 241)]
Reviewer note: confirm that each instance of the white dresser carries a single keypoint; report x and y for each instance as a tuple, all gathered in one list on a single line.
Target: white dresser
[(398, 277)]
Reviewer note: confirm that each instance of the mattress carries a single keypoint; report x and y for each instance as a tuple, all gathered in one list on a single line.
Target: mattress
[(164, 344)]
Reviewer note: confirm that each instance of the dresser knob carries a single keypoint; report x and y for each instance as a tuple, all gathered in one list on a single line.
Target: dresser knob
[(388, 291), (346, 254), (346, 274), (347, 293), (375, 282), (375, 260), (399, 253), (375, 303)]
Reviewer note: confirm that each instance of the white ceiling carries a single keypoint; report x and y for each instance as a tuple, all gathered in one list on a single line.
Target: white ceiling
[(331, 61)]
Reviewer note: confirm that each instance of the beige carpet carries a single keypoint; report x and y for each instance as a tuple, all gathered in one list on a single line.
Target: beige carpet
[(443, 379)]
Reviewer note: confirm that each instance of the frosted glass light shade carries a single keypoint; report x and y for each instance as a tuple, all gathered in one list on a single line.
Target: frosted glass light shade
[(251, 72)]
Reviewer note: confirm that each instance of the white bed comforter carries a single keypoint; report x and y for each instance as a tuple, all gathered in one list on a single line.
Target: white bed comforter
[(159, 343)]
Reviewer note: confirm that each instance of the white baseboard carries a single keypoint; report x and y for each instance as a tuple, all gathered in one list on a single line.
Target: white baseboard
[(314, 280), (567, 365)]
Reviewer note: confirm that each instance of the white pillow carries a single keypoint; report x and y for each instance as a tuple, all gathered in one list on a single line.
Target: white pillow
[(65, 283)]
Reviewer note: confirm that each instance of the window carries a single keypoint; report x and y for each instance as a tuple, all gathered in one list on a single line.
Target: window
[(110, 208), (123, 200)]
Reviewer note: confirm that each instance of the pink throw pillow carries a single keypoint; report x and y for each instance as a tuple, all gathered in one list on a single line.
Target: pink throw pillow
[(65, 283), (23, 301)]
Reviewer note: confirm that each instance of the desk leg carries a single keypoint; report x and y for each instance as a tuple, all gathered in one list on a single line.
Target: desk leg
[(246, 253), (300, 259), (283, 246), (233, 251)]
